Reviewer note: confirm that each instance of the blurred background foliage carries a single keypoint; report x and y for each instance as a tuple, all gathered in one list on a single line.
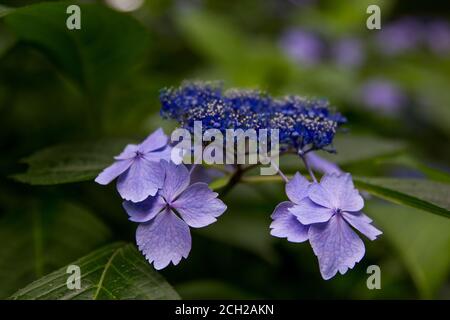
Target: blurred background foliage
[(97, 87)]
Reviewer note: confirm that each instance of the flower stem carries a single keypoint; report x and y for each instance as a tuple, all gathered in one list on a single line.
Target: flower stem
[(235, 178), (311, 173), (192, 168), (280, 172)]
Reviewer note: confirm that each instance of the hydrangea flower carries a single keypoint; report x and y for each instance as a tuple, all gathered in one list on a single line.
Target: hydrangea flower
[(332, 206), (163, 234), (322, 165), (285, 224), (304, 122), (400, 36), (438, 37), (303, 47), (383, 95), (348, 52), (137, 168), (301, 121)]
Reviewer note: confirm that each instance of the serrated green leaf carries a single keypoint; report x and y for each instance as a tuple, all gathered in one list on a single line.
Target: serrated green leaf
[(105, 48), (44, 238), (117, 271), (421, 241), (426, 195), (70, 162)]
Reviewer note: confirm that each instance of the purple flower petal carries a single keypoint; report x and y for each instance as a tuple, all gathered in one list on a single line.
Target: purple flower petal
[(307, 212), (322, 165), (154, 141), (383, 95), (342, 192), (297, 188), (321, 196), (361, 222), (141, 180), (336, 246), (128, 153), (163, 240), (198, 205), (113, 171), (302, 46), (146, 210), (160, 154), (176, 180), (286, 225)]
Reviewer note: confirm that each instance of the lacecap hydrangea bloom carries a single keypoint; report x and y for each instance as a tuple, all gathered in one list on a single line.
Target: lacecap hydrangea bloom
[(157, 194), (137, 168), (164, 199), (163, 235), (329, 209), (302, 122)]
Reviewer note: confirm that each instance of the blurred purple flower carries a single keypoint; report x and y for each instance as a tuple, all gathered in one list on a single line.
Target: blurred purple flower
[(302, 46), (137, 168), (348, 52), (163, 234), (382, 95), (285, 224), (399, 36), (332, 206), (438, 37)]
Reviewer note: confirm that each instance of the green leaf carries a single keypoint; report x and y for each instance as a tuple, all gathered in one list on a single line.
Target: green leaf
[(106, 48), (410, 162), (355, 148), (421, 241), (351, 149), (220, 182), (70, 162), (42, 238), (426, 195), (117, 271)]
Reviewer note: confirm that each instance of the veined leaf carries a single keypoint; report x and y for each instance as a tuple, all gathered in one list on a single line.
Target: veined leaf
[(427, 195), (117, 271), (105, 48), (42, 238), (70, 162)]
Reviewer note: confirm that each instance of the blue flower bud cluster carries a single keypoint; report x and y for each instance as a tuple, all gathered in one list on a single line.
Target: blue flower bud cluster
[(301, 122)]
